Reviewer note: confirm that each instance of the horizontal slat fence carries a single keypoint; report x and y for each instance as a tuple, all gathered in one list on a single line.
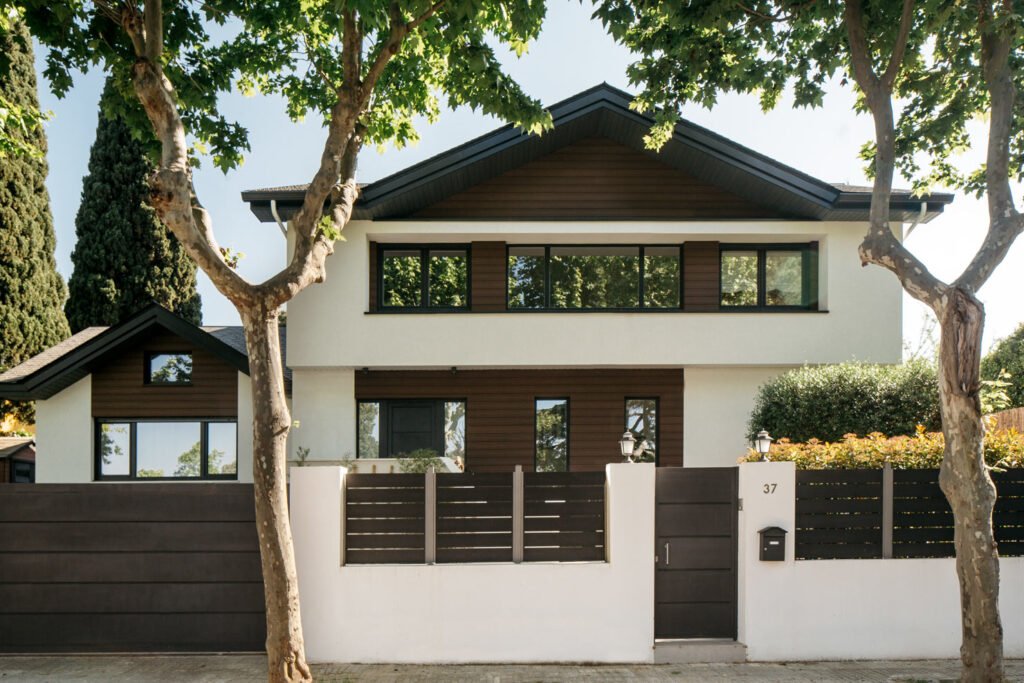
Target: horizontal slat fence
[(129, 568), (564, 516), (841, 514), (384, 518), (468, 517), (838, 514)]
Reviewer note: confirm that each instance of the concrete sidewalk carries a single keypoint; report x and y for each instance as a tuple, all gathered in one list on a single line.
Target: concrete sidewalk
[(239, 668)]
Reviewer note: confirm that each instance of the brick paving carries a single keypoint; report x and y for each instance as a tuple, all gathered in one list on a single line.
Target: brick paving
[(245, 668)]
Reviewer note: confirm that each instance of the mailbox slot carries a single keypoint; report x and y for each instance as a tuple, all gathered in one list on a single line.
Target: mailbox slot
[(773, 544)]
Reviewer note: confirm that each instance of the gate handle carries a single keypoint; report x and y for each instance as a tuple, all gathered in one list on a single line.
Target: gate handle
[(667, 560)]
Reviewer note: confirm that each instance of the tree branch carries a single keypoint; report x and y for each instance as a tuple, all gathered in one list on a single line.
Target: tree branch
[(899, 48), (154, 21)]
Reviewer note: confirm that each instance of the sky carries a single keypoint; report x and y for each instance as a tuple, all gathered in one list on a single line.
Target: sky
[(572, 54)]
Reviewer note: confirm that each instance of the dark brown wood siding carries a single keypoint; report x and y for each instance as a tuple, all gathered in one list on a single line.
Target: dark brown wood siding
[(119, 388), (701, 274), (595, 178), (129, 568), (373, 276), (500, 409), (488, 266)]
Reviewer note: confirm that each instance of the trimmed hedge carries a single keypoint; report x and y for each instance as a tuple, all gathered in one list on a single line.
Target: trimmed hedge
[(1003, 449), (829, 401)]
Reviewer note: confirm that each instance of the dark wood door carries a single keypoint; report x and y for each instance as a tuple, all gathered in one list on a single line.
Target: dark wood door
[(695, 532), (414, 425)]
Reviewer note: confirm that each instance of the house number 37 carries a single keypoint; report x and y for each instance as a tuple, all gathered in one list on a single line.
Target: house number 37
[(770, 488)]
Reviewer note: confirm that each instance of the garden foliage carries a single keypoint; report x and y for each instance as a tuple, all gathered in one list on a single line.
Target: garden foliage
[(1007, 354)]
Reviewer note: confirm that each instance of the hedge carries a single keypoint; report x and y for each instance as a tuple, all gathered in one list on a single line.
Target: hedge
[(829, 401), (1003, 449)]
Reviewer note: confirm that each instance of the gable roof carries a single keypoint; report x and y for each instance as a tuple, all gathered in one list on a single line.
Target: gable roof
[(18, 448), (63, 364), (603, 111)]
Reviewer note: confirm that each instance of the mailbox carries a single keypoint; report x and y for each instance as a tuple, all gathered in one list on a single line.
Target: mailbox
[(773, 544)]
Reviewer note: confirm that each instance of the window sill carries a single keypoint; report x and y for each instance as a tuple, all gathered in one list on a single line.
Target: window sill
[(645, 311)]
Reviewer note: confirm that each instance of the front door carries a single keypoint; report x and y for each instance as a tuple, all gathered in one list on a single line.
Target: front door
[(695, 573), (413, 425)]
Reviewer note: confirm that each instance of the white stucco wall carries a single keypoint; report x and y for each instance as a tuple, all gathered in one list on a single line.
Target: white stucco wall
[(849, 609), (530, 612), (244, 428), (330, 327), (323, 402), (64, 436), (716, 407)]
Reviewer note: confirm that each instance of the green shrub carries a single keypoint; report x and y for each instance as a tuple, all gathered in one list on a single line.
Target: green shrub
[(829, 401), (1007, 354), (1003, 449), (419, 461)]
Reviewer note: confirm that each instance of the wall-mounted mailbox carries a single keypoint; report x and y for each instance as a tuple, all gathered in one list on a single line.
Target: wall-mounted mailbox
[(773, 544)]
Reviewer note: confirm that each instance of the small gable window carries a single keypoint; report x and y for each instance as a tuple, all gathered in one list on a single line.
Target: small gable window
[(169, 368)]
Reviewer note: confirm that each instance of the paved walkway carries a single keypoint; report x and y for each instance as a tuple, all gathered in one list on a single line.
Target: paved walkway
[(239, 668)]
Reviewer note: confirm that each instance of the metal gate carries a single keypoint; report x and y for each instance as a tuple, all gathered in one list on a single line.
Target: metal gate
[(695, 534)]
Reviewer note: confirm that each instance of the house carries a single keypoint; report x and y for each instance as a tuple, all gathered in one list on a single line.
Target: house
[(17, 459), (523, 300)]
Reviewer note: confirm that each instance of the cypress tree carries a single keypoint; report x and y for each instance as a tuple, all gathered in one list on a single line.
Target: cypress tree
[(31, 290), (124, 257)]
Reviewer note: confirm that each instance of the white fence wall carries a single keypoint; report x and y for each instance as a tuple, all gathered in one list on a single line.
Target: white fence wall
[(529, 612), (849, 609)]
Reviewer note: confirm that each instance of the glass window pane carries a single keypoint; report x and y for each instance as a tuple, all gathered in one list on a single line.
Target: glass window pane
[(739, 278), (369, 430), (526, 277), (783, 278), (642, 422), (222, 448), (170, 368), (448, 278), (402, 278), (167, 449), (455, 431), (115, 449), (552, 429), (661, 277), (595, 277)]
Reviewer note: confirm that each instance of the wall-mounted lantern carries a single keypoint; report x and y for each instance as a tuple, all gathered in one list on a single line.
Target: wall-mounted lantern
[(763, 443), (626, 444)]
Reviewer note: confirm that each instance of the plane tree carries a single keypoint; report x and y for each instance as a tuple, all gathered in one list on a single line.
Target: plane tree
[(923, 70), (366, 69)]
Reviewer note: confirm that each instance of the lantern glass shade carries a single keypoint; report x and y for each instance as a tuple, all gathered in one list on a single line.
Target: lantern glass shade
[(763, 442), (626, 444)]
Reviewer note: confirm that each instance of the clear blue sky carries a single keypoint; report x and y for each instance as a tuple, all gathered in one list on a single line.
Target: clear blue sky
[(572, 54)]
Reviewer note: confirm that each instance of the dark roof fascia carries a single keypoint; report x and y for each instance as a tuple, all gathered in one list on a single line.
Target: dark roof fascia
[(76, 364)]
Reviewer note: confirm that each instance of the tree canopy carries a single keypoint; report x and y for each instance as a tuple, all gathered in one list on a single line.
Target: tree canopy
[(1007, 354)]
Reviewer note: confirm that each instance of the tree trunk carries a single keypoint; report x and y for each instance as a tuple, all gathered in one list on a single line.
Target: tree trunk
[(286, 659), (969, 489)]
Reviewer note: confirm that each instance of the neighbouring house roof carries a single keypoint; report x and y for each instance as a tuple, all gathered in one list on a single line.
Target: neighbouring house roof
[(22, 448), (63, 364), (603, 111)]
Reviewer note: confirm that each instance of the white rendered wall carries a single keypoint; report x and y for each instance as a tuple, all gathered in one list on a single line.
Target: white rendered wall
[(64, 438), (244, 429), (849, 609), (323, 402), (330, 327), (530, 612), (716, 407)]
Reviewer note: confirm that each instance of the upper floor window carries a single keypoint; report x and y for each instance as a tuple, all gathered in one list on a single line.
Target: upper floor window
[(593, 277), (769, 276), (180, 449), (169, 368), (435, 277)]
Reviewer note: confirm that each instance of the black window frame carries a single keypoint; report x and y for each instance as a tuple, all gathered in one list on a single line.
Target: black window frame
[(29, 466), (147, 369), (568, 429), (657, 421), (640, 307), (384, 423), (133, 422), (809, 275), (424, 249)]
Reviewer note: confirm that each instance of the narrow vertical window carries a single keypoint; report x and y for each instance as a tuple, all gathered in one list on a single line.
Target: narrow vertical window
[(402, 277), (642, 423), (221, 448), (527, 277), (551, 449), (455, 431), (739, 278), (115, 449), (449, 278), (661, 277), (784, 278), (369, 430)]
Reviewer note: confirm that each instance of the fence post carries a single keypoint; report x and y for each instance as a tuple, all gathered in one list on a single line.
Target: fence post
[(887, 511), (518, 508), (344, 515), (430, 517)]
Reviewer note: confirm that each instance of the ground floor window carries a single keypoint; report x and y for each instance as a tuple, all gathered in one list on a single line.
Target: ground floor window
[(393, 428), (178, 449), (642, 423), (551, 435)]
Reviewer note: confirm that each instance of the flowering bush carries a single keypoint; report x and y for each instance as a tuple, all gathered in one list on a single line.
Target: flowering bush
[(1003, 449)]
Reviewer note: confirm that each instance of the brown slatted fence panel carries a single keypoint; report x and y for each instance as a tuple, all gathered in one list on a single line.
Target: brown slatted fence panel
[(474, 517), (129, 568), (384, 518), (838, 514), (1008, 517), (564, 516)]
